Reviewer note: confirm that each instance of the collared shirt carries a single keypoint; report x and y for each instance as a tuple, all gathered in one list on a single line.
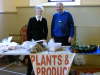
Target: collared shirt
[(38, 18)]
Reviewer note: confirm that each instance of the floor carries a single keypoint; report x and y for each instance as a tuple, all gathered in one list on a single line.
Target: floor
[(12, 68)]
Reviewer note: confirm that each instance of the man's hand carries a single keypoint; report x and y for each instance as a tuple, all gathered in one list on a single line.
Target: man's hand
[(70, 39)]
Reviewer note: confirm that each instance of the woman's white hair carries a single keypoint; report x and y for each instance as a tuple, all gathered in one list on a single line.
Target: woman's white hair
[(39, 7)]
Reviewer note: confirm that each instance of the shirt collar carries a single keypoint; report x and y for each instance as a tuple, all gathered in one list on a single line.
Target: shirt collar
[(38, 19)]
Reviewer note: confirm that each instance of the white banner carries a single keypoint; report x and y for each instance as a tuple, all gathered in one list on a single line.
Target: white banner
[(52, 64)]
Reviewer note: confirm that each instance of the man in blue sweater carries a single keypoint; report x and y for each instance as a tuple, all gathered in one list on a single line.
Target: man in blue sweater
[(62, 27)]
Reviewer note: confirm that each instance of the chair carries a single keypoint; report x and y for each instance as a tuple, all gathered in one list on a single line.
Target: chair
[(23, 33)]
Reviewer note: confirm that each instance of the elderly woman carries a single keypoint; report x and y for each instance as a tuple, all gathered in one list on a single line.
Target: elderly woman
[(37, 30), (37, 26)]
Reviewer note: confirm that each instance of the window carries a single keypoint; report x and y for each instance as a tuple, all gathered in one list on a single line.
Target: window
[(61, 0), (53, 2)]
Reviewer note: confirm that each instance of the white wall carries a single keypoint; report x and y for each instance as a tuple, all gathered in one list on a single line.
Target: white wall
[(7, 6), (90, 2), (20, 3)]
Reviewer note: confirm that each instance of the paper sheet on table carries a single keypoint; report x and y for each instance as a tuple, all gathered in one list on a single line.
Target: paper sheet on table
[(28, 44)]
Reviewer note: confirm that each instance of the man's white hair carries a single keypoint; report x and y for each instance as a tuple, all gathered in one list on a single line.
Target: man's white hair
[(39, 7), (59, 3)]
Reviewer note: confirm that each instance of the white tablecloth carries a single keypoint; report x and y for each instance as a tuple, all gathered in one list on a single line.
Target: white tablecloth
[(22, 51), (15, 52)]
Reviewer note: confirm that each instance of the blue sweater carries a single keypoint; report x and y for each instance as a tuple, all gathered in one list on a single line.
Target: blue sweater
[(62, 25)]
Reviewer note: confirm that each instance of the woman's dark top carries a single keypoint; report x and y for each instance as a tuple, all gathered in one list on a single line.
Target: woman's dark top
[(37, 30)]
